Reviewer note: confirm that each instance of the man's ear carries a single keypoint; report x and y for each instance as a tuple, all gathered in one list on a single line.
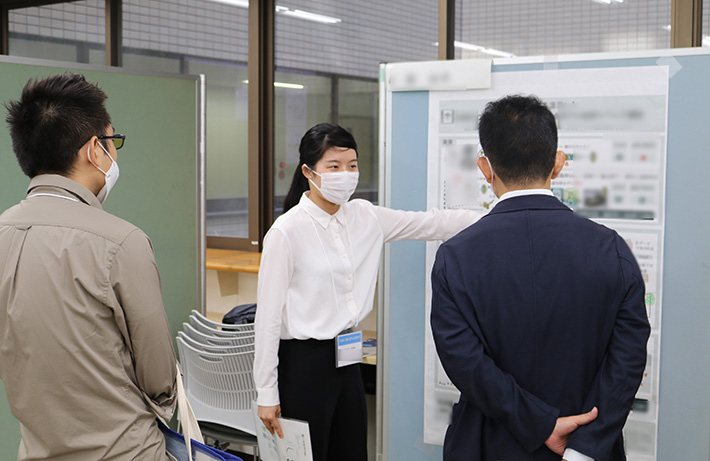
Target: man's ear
[(560, 159), (94, 151), (485, 168)]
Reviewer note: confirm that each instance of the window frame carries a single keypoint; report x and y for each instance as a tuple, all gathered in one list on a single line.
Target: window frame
[(686, 21)]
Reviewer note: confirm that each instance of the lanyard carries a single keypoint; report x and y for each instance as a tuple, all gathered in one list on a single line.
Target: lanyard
[(44, 194)]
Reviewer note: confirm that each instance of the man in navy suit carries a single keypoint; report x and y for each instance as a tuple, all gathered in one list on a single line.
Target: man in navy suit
[(538, 314)]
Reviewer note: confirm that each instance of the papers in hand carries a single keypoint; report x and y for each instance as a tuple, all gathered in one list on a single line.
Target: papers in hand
[(295, 446)]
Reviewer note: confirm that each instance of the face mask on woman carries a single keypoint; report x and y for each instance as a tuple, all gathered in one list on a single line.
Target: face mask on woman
[(337, 187)]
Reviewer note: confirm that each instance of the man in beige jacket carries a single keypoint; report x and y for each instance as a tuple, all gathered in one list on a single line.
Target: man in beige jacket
[(86, 354)]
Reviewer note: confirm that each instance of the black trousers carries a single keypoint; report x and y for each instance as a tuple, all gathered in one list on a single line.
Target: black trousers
[(331, 399)]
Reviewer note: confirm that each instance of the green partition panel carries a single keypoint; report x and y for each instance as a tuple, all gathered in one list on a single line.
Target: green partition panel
[(159, 187)]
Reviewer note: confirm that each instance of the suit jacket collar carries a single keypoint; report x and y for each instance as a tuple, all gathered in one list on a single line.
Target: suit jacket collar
[(528, 202)]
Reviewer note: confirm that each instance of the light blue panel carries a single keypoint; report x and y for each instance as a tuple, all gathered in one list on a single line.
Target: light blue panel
[(684, 413), (410, 116), (684, 402)]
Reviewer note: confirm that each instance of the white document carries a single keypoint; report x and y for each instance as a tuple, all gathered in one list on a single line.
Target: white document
[(295, 445)]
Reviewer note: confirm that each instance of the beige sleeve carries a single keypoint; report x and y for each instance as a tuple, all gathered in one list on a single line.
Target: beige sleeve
[(135, 281)]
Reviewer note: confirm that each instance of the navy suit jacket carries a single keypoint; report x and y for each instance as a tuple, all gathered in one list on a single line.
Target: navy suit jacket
[(538, 313)]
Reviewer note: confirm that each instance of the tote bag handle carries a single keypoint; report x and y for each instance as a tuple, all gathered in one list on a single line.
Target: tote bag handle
[(188, 421)]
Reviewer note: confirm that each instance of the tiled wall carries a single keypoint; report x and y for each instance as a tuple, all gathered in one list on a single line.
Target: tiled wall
[(548, 27), (370, 32), (81, 21)]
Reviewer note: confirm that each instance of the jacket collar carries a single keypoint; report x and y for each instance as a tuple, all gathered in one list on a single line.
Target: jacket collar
[(320, 216), (528, 202), (61, 185)]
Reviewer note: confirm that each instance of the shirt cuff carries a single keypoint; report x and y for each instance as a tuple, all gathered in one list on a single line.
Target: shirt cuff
[(574, 455), (268, 396)]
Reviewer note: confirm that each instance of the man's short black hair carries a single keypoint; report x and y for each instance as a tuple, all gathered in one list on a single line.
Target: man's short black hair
[(52, 119), (518, 134)]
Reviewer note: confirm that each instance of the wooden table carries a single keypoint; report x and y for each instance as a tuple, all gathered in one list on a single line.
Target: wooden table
[(233, 260)]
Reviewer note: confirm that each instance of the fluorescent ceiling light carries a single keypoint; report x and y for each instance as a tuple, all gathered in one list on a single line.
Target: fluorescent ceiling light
[(241, 3), (482, 49), (307, 15), (667, 28), (292, 86), (311, 16)]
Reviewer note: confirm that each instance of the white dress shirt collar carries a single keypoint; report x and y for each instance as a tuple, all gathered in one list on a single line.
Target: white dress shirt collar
[(522, 192), (318, 214)]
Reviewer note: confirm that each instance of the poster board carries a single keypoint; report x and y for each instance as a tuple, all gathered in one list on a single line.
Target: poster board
[(682, 373), (160, 188)]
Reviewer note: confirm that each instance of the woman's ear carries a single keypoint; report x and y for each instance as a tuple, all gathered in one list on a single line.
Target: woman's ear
[(306, 171)]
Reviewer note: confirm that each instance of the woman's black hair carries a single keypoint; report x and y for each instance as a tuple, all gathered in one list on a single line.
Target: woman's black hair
[(314, 144)]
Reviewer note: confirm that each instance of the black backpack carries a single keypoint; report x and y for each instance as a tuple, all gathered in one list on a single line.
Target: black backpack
[(243, 313)]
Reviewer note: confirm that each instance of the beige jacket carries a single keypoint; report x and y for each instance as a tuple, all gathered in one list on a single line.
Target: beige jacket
[(86, 353)]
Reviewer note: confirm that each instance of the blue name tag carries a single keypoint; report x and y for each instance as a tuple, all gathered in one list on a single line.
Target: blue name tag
[(348, 349), (350, 338)]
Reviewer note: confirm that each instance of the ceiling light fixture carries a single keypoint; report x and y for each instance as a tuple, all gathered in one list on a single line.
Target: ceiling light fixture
[(240, 3), (291, 86), (482, 49), (310, 16), (307, 15)]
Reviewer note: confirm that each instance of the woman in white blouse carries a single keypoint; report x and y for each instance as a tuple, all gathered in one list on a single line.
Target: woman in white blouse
[(316, 280)]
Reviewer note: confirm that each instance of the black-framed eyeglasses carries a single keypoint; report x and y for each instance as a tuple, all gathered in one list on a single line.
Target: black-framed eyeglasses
[(118, 139)]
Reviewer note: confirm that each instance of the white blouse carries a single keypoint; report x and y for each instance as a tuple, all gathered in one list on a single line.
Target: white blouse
[(318, 272)]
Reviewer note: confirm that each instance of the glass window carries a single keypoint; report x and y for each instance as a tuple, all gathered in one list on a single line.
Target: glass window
[(334, 49), (357, 112), (494, 28), (300, 101), (210, 38), (74, 32)]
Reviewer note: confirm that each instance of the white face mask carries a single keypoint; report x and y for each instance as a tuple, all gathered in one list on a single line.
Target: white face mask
[(492, 173), (111, 175), (337, 187)]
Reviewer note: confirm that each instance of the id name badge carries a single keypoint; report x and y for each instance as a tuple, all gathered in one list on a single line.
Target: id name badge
[(348, 349)]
